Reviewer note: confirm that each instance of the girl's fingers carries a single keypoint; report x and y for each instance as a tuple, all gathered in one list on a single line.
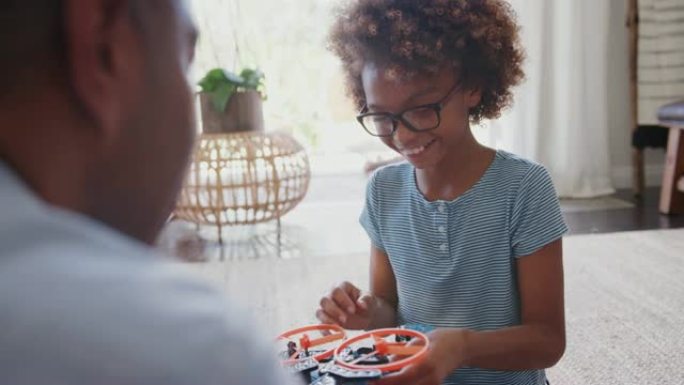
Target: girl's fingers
[(349, 288), (333, 311), (325, 318), (344, 299), (365, 302)]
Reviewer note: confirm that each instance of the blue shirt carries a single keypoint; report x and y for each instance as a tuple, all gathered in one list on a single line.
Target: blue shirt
[(83, 304), (454, 261)]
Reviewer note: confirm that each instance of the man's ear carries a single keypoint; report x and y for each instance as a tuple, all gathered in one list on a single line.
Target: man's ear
[(104, 60)]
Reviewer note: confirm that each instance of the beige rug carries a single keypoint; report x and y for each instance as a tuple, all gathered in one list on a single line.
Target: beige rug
[(625, 309), (624, 296)]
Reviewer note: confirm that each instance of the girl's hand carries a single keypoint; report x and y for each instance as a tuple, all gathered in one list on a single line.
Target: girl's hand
[(346, 307), (445, 354)]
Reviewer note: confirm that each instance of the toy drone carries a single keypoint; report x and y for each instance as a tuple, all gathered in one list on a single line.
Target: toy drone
[(323, 355)]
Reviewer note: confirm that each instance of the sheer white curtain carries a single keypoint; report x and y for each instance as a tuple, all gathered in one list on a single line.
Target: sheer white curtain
[(559, 117)]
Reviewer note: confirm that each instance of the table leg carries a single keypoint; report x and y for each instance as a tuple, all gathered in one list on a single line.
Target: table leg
[(671, 199)]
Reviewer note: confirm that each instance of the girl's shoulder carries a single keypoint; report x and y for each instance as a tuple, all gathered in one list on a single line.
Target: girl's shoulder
[(514, 169), (516, 163), (525, 182), (394, 174), (392, 182)]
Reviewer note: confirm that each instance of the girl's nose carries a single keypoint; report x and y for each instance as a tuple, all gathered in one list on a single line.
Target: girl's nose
[(403, 135)]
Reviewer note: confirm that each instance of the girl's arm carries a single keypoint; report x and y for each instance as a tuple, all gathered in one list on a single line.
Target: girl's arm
[(539, 342), (383, 290)]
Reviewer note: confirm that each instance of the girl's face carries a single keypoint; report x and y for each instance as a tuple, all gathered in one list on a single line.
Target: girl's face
[(424, 149)]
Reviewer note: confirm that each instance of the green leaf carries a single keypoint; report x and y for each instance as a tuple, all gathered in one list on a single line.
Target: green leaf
[(212, 79), (221, 96), (222, 84), (253, 78), (233, 78), (206, 85)]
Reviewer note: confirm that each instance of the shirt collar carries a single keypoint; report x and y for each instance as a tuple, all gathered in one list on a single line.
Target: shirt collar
[(19, 203)]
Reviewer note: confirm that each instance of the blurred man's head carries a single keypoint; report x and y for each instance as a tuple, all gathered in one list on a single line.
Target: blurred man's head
[(95, 107)]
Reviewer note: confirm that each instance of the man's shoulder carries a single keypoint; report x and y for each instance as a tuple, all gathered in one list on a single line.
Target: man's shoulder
[(89, 303)]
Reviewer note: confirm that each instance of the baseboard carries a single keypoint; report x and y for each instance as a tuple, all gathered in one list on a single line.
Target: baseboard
[(622, 176)]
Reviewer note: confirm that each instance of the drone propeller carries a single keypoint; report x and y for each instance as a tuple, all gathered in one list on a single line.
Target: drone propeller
[(298, 348), (404, 354)]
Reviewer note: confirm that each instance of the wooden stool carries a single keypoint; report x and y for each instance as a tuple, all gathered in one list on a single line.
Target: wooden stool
[(672, 190)]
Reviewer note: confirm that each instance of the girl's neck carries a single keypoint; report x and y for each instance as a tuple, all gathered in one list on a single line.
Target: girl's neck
[(458, 172)]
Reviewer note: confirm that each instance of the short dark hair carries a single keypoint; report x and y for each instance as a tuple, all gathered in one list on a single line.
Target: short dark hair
[(478, 38), (31, 40)]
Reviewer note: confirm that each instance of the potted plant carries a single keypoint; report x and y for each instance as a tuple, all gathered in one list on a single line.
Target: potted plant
[(230, 102)]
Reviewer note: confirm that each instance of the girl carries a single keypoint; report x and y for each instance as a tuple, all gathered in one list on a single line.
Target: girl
[(465, 239)]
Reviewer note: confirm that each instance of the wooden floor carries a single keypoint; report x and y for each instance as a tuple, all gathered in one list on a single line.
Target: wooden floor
[(643, 216)]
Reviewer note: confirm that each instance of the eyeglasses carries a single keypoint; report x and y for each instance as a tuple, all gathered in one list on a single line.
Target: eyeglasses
[(420, 118)]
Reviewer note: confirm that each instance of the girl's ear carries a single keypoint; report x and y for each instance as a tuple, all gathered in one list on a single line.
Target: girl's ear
[(473, 97)]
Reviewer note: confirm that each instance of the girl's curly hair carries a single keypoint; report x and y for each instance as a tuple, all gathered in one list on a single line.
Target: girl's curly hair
[(478, 38)]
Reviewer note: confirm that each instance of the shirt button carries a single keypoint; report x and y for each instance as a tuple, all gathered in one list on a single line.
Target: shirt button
[(443, 247), (441, 208), (442, 229)]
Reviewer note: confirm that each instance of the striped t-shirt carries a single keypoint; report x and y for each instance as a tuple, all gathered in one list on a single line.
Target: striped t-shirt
[(454, 261)]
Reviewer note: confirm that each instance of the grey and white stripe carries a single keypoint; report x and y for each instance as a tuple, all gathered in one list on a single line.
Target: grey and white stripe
[(454, 261)]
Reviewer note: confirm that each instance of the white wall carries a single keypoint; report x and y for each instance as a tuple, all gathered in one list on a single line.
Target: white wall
[(618, 106)]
